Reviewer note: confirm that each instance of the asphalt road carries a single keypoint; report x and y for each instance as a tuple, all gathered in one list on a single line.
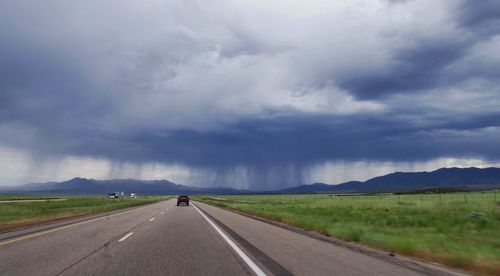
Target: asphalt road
[(163, 239)]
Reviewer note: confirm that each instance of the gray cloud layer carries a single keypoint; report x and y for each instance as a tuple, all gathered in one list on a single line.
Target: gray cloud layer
[(269, 87)]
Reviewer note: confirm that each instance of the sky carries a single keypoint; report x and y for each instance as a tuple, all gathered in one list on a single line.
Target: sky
[(246, 93)]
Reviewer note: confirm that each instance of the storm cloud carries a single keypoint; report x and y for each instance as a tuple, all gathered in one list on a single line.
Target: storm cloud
[(251, 91)]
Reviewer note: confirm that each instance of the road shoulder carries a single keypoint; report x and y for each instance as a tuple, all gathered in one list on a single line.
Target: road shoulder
[(401, 261)]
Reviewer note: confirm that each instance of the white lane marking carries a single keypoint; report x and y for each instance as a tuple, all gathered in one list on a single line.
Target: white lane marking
[(151, 219), (242, 254), (55, 229), (126, 236)]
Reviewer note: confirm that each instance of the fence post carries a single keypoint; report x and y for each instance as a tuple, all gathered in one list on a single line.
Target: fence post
[(465, 197)]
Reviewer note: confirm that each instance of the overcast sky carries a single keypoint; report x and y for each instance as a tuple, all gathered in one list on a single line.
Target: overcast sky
[(248, 94)]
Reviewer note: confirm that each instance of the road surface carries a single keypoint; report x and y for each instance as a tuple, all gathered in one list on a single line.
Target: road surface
[(162, 239)]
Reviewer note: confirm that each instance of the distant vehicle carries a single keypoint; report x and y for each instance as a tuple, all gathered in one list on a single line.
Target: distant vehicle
[(132, 195), (183, 199), (113, 195)]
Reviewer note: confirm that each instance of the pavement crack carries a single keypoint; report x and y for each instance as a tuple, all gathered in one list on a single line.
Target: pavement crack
[(104, 246)]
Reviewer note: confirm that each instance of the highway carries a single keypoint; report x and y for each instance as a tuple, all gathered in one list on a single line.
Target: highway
[(163, 239)]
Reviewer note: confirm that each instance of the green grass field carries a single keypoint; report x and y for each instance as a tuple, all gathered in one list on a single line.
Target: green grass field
[(26, 197), (15, 215), (460, 230)]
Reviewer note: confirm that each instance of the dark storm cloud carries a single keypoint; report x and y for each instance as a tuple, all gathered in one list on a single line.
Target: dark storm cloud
[(309, 139), (296, 139), (267, 148), (480, 16), (426, 64), (41, 85), (213, 92), (413, 69)]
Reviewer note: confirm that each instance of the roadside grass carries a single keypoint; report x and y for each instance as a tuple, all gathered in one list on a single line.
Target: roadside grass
[(459, 230), (14, 215), (29, 197)]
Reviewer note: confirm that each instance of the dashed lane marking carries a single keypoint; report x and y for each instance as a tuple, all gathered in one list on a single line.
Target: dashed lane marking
[(126, 236)]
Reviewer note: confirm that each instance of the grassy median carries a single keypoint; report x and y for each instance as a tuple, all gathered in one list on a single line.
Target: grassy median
[(460, 230), (14, 215)]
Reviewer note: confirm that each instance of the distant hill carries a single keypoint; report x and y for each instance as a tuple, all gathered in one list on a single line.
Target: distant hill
[(458, 178), (91, 186), (462, 178), (313, 188)]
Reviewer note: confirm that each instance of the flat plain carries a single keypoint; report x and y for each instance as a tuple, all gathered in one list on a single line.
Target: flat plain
[(460, 230)]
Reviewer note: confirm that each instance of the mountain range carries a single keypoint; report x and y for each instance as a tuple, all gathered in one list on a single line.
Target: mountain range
[(86, 186), (462, 178)]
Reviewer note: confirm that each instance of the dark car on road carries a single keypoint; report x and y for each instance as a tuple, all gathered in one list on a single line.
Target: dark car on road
[(183, 199)]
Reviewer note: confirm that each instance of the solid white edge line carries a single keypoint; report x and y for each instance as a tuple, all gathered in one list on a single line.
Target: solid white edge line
[(151, 219), (125, 237), (242, 254)]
